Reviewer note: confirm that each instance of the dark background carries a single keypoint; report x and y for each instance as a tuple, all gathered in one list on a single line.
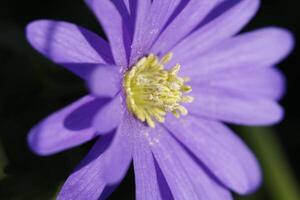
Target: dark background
[(31, 87)]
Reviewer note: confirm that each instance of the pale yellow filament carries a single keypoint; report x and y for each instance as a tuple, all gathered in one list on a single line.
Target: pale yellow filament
[(152, 91)]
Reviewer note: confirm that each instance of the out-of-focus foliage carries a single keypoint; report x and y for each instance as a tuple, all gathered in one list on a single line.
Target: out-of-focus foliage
[(279, 179)]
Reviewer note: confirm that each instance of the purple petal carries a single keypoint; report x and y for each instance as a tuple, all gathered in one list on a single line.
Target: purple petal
[(105, 81), (224, 154), (191, 15), (68, 44), (110, 116), (261, 48), (66, 128), (163, 185), (227, 24), (112, 23), (220, 9), (141, 24), (147, 185), (206, 186), (104, 166), (178, 180), (233, 107), (265, 82), (156, 18)]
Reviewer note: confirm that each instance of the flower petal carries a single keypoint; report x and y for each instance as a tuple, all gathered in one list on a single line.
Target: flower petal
[(141, 24), (231, 20), (105, 166), (264, 82), (112, 23), (110, 116), (206, 185), (224, 154), (233, 107), (261, 48), (146, 180), (66, 128), (156, 18), (190, 16), (163, 185), (180, 184), (68, 44), (105, 81)]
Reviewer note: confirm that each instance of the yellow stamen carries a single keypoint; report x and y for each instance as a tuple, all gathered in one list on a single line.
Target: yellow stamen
[(152, 91)]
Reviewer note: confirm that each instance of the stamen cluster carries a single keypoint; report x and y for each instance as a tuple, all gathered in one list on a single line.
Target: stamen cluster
[(152, 91)]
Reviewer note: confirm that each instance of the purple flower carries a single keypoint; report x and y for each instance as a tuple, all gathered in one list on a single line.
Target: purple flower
[(172, 73)]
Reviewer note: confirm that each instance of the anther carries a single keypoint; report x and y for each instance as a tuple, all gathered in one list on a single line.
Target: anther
[(152, 91)]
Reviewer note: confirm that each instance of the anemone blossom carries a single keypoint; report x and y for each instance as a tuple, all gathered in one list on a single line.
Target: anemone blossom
[(161, 88)]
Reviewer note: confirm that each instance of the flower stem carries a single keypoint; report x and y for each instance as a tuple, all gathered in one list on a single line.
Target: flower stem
[(279, 179)]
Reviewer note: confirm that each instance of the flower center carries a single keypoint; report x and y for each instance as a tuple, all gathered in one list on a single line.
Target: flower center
[(152, 91)]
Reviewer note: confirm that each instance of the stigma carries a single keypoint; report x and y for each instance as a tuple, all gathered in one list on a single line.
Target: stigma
[(152, 91)]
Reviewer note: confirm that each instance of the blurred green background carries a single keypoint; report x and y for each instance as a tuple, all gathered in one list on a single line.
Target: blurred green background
[(32, 87)]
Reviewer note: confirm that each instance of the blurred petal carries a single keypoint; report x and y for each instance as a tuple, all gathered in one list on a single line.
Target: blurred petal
[(112, 23), (110, 116), (229, 22), (264, 82), (190, 16), (105, 81), (261, 48), (178, 180), (66, 128), (104, 166), (66, 43), (232, 107), (224, 154)]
